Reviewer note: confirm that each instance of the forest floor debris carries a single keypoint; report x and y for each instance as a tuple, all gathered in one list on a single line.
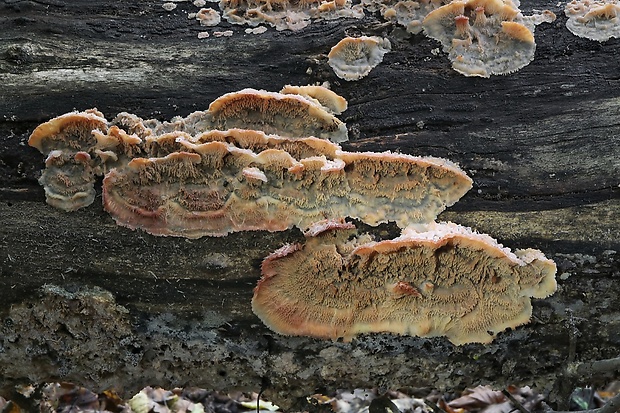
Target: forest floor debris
[(70, 398)]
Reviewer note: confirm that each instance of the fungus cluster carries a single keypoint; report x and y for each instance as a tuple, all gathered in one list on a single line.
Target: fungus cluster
[(445, 281), (83, 145), (485, 37), (217, 187), (407, 13), (287, 14), (259, 160), (354, 57), (593, 19)]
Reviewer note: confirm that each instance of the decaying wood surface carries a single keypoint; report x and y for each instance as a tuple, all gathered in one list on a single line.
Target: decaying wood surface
[(86, 301)]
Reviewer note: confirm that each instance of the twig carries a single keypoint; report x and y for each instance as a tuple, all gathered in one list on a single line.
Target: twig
[(514, 401)]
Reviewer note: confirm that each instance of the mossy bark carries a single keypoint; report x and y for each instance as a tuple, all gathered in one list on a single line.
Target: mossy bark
[(84, 300)]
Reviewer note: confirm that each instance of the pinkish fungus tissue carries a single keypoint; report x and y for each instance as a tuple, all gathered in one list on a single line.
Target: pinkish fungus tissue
[(208, 17), (354, 57), (258, 160), (407, 13), (287, 14), (485, 37), (593, 19), (215, 188), (445, 280)]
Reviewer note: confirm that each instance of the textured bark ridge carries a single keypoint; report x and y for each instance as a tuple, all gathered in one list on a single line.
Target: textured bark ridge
[(87, 301)]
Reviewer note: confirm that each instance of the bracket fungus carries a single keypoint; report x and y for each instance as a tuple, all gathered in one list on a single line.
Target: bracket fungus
[(287, 14), (485, 37), (214, 188), (287, 115), (593, 19), (407, 13), (354, 57), (80, 146), (445, 281), (322, 95), (75, 155)]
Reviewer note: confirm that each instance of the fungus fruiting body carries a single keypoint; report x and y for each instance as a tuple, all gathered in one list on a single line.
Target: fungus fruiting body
[(593, 19), (216, 188), (208, 17), (287, 115), (325, 97), (445, 281), (484, 37), (354, 57), (83, 145), (407, 13), (287, 14)]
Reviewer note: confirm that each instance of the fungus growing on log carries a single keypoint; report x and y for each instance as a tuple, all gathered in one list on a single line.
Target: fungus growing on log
[(287, 115), (287, 14), (354, 57), (68, 180), (593, 19), (78, 145), (214, 188), (208, 17), (407, 13), (485, 37), (70, 131), (325, 97), (446, 281)]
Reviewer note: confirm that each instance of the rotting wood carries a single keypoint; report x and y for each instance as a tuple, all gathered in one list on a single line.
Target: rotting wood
[(541, 145)]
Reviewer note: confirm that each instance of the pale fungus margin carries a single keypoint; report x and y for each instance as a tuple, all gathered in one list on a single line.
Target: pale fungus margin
[(80, 146), (353, 58), (215, 188), (485, 37), (593, 19), (446, 281), (258, 160), (407, 13), (285, 14)]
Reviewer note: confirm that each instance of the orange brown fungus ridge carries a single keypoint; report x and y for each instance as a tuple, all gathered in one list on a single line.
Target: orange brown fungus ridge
[(593, 19), (80, 146), (485, 37), (287, 14), (286, 115), (215, 188), (407, 13), (444, 281), (353, 58)]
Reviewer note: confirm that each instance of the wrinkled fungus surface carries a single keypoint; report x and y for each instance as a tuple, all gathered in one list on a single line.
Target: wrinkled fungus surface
[(592, 19), (407, 13), (444, 281), (216, 188), (287, 115), (322, 95), (354, 57), (80, 146), (485, 37), (287, 14)]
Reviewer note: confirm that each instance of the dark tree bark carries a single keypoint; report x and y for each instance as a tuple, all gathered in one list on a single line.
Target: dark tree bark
[(84, 300)]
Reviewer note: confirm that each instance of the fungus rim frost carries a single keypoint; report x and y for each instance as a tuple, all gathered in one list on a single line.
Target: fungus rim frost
[(352, 58), (485, 37), (465, 286)]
